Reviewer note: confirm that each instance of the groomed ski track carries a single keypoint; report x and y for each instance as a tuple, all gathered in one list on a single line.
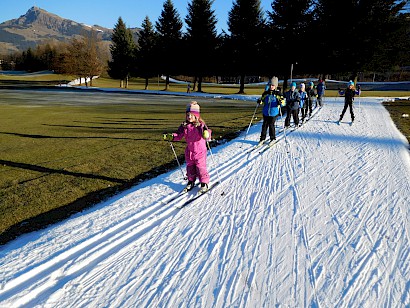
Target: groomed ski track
[(325, 224)]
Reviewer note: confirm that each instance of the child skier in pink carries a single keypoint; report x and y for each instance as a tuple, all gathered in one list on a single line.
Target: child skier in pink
[(196, 134)]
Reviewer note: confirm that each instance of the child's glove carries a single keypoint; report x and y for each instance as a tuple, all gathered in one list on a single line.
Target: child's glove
[(259, 101), (282, 101), (168, 137), (205, 134)]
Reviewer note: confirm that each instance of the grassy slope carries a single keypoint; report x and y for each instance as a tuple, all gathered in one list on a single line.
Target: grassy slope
[(397, 109), (58, 158)]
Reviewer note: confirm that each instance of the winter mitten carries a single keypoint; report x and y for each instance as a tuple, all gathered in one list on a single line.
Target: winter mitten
[(205, 134), (283, 101), (168, 137)]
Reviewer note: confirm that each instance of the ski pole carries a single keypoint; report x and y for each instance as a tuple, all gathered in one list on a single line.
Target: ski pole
[(284, 131), (360, 109), (176, 157), (213, 161), (246, 134)]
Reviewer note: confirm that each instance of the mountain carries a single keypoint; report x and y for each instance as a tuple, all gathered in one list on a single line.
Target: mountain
[(39, 26)]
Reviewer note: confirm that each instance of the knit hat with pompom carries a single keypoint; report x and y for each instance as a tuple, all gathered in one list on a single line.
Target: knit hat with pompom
[(193, 108)]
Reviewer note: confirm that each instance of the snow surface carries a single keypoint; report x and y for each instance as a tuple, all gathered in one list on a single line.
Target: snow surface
[(325, 224)]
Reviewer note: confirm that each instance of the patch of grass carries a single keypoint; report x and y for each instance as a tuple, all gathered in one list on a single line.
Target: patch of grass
[(159, 85), (156, 84), (33, 80), (397, 109), (64, 152)]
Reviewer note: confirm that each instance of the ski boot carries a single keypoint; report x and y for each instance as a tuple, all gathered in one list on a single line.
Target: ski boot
[(204, 188), (189, 186)]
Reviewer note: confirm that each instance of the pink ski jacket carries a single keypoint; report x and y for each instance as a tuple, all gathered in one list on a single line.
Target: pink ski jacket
[(196, 144)]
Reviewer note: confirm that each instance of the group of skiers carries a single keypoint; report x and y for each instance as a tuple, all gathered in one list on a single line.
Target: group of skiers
[(296, 101)]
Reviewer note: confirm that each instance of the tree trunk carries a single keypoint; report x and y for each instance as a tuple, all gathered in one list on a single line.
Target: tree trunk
[(354, 77), (167, 83), (242, 85), (200, 84), (195, 84)]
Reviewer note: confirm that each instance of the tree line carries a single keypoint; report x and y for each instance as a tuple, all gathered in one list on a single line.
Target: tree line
[(322, 36)]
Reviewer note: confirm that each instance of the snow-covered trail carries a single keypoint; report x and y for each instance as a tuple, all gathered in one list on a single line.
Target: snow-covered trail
[(323, 225)]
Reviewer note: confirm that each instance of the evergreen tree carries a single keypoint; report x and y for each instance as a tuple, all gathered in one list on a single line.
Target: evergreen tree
[(246, 24), (201, 39), (122, 53), (169, 45), (351, 32), (289, 24), (29, 60), (146, 59)]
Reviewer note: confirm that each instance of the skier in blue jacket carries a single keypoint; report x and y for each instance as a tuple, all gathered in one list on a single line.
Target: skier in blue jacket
[(303, 101), (272, 100), (321, 87)]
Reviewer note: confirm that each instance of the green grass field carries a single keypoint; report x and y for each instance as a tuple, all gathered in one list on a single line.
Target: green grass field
[(64, 151), (397, 111), (60, 155)]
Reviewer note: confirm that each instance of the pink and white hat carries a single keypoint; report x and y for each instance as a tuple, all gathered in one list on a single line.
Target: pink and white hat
[(193, 108)]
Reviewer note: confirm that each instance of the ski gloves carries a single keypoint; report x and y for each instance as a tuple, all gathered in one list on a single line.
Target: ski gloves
[(205, 134), (170, 137), (280, 99)]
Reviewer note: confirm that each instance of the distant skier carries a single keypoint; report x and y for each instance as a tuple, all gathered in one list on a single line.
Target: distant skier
[(311, 93), (303, 101), (272, 99), (321, 87), (292, 103), (196, 134), (349, 94)]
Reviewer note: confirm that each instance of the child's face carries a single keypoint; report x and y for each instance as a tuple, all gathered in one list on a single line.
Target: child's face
[(190, 117)]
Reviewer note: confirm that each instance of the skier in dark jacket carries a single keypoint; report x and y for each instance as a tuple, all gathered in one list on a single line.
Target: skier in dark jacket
[(311, 97), (292, 103), (272, 100), (349, 94)]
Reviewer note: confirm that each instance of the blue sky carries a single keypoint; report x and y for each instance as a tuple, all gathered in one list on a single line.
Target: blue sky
[(106, 12)]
